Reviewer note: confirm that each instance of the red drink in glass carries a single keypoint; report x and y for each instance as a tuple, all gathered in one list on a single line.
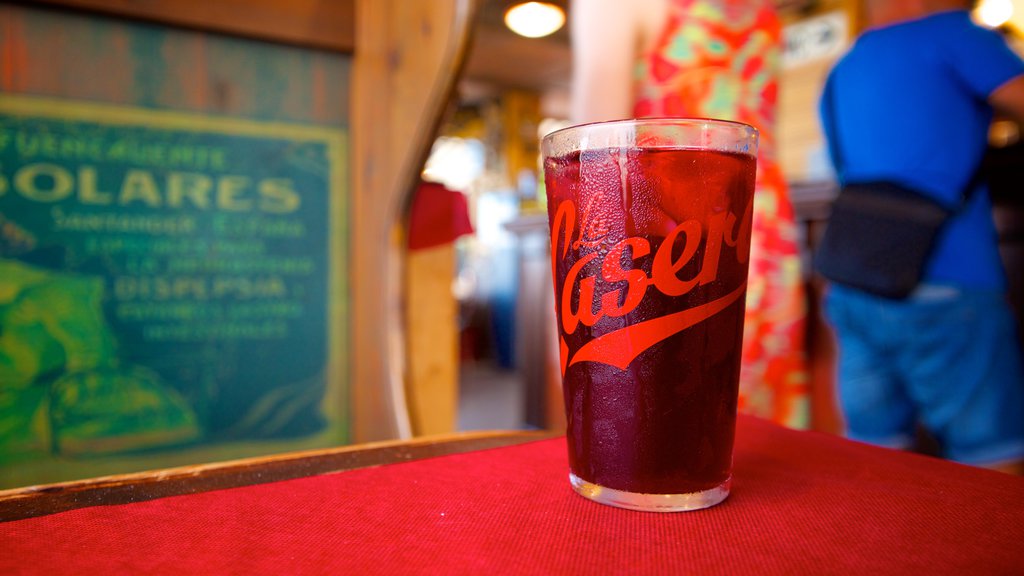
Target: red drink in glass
[(650, 238)]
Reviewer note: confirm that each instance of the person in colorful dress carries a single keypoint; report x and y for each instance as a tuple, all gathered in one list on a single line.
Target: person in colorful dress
[(711, 59)]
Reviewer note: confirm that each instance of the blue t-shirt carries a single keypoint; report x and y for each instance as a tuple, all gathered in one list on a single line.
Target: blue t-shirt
[(910, 101)]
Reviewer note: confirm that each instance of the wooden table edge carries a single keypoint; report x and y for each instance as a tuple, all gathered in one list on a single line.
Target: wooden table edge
[(40, 500)]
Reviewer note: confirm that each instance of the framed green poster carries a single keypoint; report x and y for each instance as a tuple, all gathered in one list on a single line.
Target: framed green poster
[(171, 288)]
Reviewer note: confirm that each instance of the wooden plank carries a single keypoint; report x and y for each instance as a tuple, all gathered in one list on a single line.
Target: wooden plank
[(408, 58), (327, 24), (799, 132), (431, 316), (536, 64), (71, 55), (127, 488)]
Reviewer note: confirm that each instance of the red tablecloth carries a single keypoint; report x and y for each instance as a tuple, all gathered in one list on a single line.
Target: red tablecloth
[(802, 503)]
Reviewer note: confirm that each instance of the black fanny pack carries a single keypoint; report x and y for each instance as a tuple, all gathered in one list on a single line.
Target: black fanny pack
[(879, 238), (881, 234)]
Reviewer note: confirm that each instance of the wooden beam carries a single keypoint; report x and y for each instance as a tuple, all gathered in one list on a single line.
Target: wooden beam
[(326, 24)]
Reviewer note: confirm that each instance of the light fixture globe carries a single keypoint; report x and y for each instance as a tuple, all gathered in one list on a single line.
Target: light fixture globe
[(534, 19)]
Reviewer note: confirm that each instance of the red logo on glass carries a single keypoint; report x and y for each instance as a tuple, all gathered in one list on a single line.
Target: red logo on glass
[(619, 347)]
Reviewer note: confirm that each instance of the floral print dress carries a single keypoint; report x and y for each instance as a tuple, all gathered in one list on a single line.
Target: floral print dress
[(720, 59)]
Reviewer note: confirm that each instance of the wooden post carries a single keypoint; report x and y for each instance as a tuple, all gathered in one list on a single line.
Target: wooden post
[(406, 62), (431, 315)]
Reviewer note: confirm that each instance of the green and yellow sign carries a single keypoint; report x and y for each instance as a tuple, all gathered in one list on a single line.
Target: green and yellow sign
[(168, 283)]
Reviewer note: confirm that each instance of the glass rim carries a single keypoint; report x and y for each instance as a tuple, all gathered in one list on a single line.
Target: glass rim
[(747, 130)]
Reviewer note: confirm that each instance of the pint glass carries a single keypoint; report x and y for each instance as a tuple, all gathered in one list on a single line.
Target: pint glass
[(650, 238)]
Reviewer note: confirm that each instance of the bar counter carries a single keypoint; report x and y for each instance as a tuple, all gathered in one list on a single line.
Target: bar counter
[(802, 503)]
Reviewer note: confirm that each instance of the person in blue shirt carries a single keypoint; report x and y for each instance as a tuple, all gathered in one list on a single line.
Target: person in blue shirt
[(911, 102)]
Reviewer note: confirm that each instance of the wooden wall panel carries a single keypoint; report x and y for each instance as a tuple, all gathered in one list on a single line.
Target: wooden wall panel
[(799, 133), (49, 53), (799, 129)]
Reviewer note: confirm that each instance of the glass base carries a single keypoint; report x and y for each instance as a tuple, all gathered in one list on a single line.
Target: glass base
[(651, 502)]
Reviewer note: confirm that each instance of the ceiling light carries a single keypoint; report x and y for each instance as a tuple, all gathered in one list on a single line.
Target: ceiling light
[(994, 13), (534, 19)]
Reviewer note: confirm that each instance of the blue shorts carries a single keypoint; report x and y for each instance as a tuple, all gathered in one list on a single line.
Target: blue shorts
[(947, 358)]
